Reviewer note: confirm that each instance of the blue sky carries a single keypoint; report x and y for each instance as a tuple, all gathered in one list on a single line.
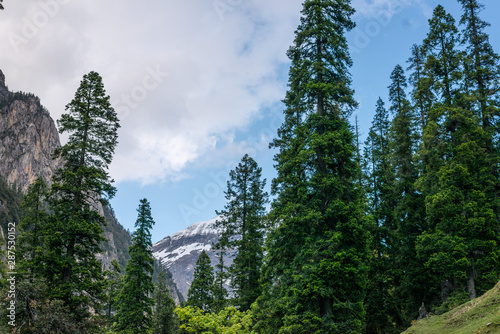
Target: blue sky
[(196, 84)]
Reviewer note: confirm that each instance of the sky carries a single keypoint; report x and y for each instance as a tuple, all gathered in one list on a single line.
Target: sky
[(196, 84)]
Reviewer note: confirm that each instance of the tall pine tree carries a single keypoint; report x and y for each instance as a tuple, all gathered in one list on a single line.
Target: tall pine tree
[(164, 318), (316, 266), (242, 224), (31, 241), (483, 73), (459, 246), (200, 292), (73, 232), (135, 308), (410, 277), (383, 310)]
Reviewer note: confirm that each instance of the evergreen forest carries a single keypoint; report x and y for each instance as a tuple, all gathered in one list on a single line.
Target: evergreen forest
[(352, 238)]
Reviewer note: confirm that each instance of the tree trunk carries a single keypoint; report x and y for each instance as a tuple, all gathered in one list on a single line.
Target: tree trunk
[(471, 286)]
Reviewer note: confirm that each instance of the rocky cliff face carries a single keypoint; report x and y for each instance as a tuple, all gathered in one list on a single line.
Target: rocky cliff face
[(28, 137), (180, 251)]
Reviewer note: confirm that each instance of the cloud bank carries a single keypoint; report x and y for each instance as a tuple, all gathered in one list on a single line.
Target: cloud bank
[(182, 75)]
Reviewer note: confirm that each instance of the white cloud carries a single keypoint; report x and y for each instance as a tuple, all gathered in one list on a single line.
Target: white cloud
[(182, 75), (217, 71)]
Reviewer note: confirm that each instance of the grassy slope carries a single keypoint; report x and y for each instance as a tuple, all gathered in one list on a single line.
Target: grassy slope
[(478, 316)]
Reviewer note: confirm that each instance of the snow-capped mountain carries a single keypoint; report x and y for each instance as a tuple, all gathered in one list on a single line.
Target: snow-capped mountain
[(180, 251)]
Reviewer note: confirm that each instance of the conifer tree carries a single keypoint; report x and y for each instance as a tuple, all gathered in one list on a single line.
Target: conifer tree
[(220, 293), (30, 254), (73, 232), (443, 58), (482, 76), (113, 287), (200, 292), (383, 311), (410, 277), (243, 227), (164, 319), (31, 242), (484, 72), (316, 265), (421, 81), (135, 308), (459, 244)]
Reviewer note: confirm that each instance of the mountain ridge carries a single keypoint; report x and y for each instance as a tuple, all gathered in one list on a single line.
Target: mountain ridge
[(180, 251)]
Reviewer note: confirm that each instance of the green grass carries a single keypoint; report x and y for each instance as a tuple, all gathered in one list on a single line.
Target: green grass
[(481, 315)]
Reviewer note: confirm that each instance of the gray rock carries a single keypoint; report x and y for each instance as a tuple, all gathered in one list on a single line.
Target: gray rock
[(180, 251)]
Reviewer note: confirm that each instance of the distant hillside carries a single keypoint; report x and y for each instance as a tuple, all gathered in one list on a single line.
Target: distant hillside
[(481, 315)]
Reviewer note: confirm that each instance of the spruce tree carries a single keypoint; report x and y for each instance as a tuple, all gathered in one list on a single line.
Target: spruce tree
[(482, 76), (73, 232), (410, 276), (113, 287), (382, 308), (443, 58), (135, 308), (31, 242), (200, 292), (484, 71), (243, 227), (459, 245), (31, 287), (421, 81), (316, 266), (164, 319), (220, 294)]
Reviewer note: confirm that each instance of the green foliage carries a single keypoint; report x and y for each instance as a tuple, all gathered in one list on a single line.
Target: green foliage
[(10, 205), (37, 314), (200, 292), (409, 211), (318, 247), (135, 307), (443, 58), (73, 231), (482, 72), (31, 243), (242, 225), (220, 293), (461, 205), (228, 321), (113, 287), (164, 318), (383, 313), (10, 212)]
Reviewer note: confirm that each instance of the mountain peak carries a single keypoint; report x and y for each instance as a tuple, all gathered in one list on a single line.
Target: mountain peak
[(2, 79), (180, 251)]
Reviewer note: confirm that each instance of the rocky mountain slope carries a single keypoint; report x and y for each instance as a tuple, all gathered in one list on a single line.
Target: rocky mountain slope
[(28, 137), (180, 251)]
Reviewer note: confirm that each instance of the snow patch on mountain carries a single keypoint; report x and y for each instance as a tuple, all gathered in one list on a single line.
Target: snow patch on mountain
[(180, 251), (168, 257)]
